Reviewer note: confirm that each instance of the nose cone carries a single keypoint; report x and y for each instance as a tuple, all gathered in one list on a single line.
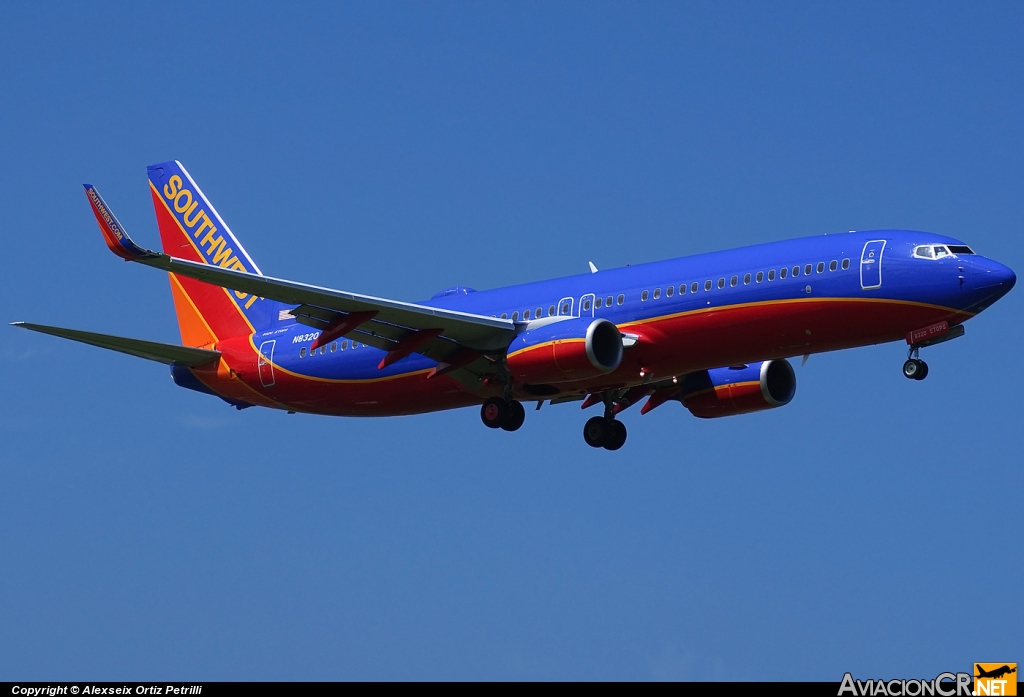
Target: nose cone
[(990, 281), (991, 275)]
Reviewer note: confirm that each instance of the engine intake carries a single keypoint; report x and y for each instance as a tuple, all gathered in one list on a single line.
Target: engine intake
[(565, 351), (709, 394)]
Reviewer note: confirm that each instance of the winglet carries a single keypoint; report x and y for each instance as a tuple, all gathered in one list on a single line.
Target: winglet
[(113, 232)]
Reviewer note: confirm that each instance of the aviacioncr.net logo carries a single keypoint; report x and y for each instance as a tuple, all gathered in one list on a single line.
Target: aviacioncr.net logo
[(943, 685)]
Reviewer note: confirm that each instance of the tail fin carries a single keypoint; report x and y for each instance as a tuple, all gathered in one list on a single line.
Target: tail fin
[(190, 228)]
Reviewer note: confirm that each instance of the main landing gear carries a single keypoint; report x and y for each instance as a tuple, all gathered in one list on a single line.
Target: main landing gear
[(915, 368), (605, 431), (600, 432), (501, 413)]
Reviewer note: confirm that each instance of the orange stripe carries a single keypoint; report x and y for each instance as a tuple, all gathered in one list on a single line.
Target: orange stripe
[(202, 256)]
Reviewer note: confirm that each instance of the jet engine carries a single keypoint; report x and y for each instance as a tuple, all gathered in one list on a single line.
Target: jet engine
[(564, 351), (709, 394)]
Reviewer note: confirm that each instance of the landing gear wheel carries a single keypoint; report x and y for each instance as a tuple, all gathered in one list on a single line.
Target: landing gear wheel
[(923, 372), (595, 431), (515, 417), (494, 412), (616, 436), (915, 369)]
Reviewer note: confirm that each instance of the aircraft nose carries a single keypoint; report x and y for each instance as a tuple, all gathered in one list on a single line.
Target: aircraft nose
[(990, 274)]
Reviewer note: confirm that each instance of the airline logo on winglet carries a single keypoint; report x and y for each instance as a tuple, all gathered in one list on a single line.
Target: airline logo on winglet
[(116, 238), (108, 217)]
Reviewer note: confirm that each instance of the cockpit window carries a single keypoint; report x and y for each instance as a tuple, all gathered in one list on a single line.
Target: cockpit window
[(937, 251)]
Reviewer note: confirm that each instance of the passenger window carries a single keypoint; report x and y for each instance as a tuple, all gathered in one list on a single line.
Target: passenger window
[(597, 302), (526, 314), (682, 289), (783, 272), (334, 346), (833, 265), (608, 301), (733, 281), (643, 296), (504, 315), (707, 285), (759, 277), (807, 269), (622, 299), (821, 267), (344, 344), (515, 316), (657, 293), (565, 308), (721, 283), (537, 315), (846, 264), (551, 311), (746, 279), (693, 287), (302, 352), (586, 305), (323, 350), (796, 271), (669, 291), (771, 275)]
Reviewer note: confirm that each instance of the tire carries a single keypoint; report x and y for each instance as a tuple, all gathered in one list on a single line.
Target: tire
[(922, 372), (911, 369), (494, 412), (595, 432), (616, 436), (515, 417)]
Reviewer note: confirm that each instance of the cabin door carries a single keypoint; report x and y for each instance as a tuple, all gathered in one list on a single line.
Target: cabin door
[(871, 265), (565, 307), (587, 305), (266, 363)]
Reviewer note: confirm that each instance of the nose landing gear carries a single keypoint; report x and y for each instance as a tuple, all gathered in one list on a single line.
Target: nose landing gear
[(914, 368)]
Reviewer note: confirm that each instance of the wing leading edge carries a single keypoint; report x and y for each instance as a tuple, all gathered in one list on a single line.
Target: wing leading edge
[(150, 350), (389, 323)]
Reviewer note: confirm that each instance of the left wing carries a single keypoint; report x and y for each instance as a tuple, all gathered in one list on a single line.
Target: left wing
[(397, 327)]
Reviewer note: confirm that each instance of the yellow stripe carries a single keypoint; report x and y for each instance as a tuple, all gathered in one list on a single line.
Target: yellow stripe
[(202, 256), (719, 308), (175, 281), (277, 366), (546, 343), (748, 383)]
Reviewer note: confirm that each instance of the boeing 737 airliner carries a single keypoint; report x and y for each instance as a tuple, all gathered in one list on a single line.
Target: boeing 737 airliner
[(712, 331)]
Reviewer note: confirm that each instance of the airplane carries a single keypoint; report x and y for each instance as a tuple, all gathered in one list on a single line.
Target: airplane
[(711, 331), (996, 673)]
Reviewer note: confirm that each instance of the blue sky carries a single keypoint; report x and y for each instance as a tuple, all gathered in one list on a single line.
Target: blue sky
[(147, 532)]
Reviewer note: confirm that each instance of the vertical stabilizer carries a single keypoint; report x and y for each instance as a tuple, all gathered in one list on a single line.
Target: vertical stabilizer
[(191, 228)]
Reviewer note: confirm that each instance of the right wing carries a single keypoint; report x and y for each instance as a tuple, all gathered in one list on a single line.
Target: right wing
[(151, 350)]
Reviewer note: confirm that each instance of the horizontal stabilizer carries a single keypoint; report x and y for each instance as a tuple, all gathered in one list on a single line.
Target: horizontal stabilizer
[(150, 350)]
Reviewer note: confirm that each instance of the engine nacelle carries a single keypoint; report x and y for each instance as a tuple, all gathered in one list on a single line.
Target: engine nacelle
[(740, 390), (573, 349)]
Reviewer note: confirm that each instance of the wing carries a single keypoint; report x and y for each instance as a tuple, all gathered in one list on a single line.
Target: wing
[(456, 339), (150, 350)]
